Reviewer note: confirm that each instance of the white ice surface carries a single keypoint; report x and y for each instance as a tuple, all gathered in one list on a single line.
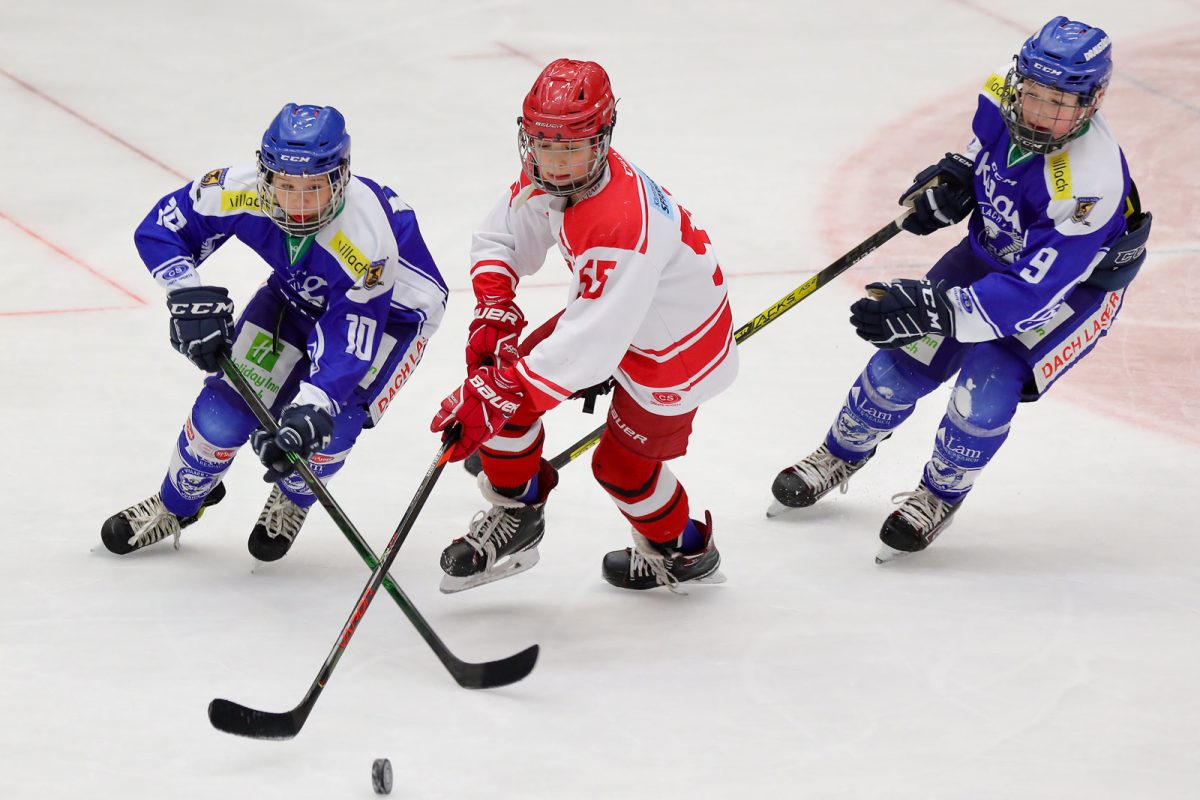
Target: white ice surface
[(1045, 647)]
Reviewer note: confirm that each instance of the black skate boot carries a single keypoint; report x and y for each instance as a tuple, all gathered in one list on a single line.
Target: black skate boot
[(501, 541), (649, 564), (802, 484), (149, 522), (915, 524), (276, 528)]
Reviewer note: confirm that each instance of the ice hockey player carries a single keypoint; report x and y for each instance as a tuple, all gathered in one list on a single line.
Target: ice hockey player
[(647, 305), (338, 327), (1055, 236)]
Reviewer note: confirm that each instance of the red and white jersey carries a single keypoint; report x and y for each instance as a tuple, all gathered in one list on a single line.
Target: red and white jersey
[(647, 303)]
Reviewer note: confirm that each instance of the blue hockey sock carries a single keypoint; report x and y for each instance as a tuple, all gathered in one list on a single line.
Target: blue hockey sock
[(691, 540), (527, 494), (531, 491)]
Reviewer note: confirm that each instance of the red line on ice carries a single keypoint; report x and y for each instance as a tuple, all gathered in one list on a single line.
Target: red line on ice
[(88, 267), (90, 123)]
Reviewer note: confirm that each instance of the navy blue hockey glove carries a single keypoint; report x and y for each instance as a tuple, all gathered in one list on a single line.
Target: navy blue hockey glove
[(303, 430), (201, 324), (942, 205), (902, 312)]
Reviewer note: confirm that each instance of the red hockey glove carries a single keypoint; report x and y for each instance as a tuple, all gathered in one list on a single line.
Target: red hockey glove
[(492, 337), (480, 406)]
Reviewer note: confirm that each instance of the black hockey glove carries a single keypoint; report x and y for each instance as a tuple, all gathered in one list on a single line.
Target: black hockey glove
[(201, 324), (902, 312), (947, 202), (303, 430)]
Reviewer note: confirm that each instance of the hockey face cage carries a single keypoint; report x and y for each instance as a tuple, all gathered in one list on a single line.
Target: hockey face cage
[(1033, 111), (561, 167), (310, 223)]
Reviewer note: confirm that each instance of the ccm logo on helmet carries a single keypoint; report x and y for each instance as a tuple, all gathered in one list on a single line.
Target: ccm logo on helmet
[(299, 159)]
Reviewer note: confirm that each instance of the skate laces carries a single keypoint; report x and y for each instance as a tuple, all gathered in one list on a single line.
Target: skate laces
[(823, 470), (646, 559), (922, 508), (490, 530), (151, 522), (281, 517)]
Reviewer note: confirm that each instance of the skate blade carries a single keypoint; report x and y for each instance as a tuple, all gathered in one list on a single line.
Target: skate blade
[(887, 554), (778, 509), (513, 565), (716, 576)]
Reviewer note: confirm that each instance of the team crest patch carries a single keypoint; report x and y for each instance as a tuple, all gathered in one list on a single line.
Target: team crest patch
[(214, 177), (1083, 207), (374, 274)]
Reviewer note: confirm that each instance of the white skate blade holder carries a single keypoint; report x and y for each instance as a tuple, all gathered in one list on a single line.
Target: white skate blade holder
[(514, 564)]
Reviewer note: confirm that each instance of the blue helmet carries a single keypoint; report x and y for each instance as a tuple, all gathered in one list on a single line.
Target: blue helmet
[(304, 141), (1068, 56)]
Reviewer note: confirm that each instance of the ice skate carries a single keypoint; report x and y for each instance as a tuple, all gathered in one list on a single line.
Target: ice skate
[(277, 527), (803, 484), (501, 541), (915, 524), (648, 564), (148, 522)]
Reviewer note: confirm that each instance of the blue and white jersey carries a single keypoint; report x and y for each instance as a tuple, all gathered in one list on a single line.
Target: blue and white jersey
[(1043, 221), (368, 269)]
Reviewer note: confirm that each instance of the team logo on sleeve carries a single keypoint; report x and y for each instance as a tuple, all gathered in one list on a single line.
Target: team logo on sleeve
[(1083, 207), (374, 274), (214, 177)]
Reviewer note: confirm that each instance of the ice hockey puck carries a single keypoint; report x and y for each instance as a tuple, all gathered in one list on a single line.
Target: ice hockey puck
[(381, 776)]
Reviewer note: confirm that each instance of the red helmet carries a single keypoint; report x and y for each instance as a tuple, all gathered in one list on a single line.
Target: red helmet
[(566, 126), (569, 100)]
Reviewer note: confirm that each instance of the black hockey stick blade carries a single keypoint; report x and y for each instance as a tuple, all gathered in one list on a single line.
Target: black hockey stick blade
[(491, 674), (231, 717)]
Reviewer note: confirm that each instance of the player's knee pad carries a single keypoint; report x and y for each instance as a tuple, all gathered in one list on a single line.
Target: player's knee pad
[(898, 379), (644, 490), (620, 467), (221, 415), (988, 388)]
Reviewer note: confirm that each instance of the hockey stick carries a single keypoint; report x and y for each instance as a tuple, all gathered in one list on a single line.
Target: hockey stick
[(860, 251), (225, 716)]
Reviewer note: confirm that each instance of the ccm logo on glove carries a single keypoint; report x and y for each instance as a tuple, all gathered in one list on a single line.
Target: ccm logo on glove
[(204, 309)]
